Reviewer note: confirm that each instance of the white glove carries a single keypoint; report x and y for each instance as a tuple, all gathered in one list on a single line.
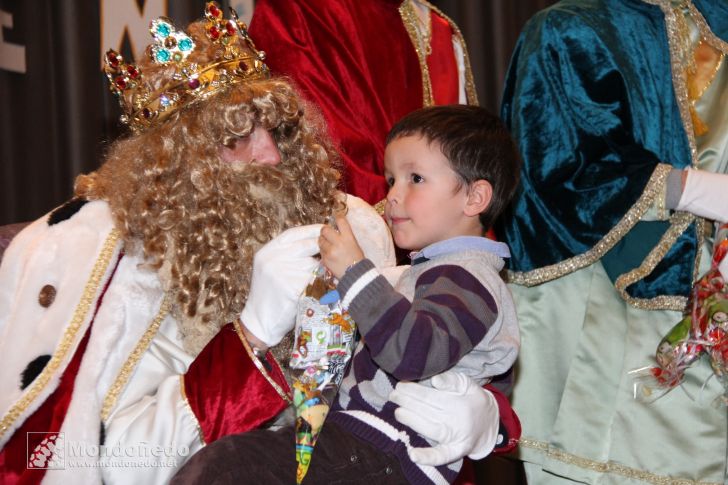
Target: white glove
[(281, 270), (460, 416), (706, 195)]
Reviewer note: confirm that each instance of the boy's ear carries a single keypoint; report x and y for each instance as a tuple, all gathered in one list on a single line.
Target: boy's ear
[(480, 193)]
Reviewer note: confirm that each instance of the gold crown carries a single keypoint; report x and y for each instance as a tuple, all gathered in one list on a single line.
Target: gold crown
[(238, 60)]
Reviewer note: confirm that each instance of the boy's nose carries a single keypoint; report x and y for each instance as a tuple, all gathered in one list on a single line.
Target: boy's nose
[(392, 195)]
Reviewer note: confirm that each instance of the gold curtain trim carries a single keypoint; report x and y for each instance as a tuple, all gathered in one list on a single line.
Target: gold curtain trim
[(131, 362), (652, 191), (69, 335), (186, 402), (283, 394), (606, 467)]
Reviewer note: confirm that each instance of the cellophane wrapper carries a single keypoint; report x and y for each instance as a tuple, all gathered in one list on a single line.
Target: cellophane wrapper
[(703, 332), (324, 341)]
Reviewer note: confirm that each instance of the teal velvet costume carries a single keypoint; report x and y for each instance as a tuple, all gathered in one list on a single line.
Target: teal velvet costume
[(599, 269), (590, 99)]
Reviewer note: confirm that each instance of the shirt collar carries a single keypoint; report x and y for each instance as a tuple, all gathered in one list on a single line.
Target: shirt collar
[(460, 243)]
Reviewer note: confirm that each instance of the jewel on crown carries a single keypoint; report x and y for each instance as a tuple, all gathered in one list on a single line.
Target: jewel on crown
[(236, 61)]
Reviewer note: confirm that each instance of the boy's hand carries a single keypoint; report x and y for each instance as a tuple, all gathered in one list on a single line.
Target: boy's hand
[(339, 249)]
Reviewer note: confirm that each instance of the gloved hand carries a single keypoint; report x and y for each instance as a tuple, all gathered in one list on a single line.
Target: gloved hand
[(459, 415), (281, 270), (705, 194)]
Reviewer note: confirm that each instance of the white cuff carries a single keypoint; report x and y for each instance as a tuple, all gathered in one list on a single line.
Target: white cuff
[(705, 195)]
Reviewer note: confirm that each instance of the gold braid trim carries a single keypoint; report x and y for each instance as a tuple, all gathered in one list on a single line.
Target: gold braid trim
[(283, 394), (652, 191), (186, 402), (610, 467), (410, 21), (679, 222), (88, 298), (470, 93), (131, 362)]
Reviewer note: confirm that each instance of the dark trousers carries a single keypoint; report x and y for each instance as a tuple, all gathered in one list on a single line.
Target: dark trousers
[(269, 457)]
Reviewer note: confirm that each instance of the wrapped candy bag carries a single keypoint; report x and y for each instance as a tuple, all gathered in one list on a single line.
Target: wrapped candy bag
[(324, 340), (703, 330)]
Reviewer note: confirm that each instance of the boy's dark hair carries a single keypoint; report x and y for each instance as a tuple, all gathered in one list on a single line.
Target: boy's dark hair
[(476, 143)]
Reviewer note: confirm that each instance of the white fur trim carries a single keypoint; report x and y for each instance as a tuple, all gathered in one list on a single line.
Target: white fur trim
[(62, 255)]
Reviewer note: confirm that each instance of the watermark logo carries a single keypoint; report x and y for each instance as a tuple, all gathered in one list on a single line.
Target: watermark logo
[(54, 451), (49, 454)]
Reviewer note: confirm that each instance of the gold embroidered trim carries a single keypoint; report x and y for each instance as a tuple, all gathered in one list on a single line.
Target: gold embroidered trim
[(410, 21), (283, 394), (189, 408), (679, 222), (131, 362), (470, 93), (654, 186), (606, 467), (69, 335)]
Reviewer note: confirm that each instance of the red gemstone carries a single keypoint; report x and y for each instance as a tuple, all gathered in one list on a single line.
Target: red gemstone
[(243, 66), (120, 82), (214, 11), (213, 33), (193, 83), (230, 28), (146, 113), (132, 71), (112, 59)]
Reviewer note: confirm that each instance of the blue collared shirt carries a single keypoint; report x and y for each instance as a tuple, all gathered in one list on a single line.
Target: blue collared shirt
[(460, 243)]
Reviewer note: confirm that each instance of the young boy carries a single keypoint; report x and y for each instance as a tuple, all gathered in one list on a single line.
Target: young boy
[(451, 171)]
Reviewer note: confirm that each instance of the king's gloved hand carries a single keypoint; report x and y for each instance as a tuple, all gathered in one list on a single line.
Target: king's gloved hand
[(460, 416), (281, 270)]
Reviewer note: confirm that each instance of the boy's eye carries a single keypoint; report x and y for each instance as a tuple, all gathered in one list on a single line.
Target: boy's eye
[(390, 181), (417, 178)]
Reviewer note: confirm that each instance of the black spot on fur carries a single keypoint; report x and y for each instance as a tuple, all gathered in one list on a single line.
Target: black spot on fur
[(102, 434), (66, 211), (33, 369)]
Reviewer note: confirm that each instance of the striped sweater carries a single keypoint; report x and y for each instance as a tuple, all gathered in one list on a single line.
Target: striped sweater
[(452, 311)]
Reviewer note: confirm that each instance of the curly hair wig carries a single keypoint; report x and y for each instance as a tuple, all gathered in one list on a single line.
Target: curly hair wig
[(175, 200)]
